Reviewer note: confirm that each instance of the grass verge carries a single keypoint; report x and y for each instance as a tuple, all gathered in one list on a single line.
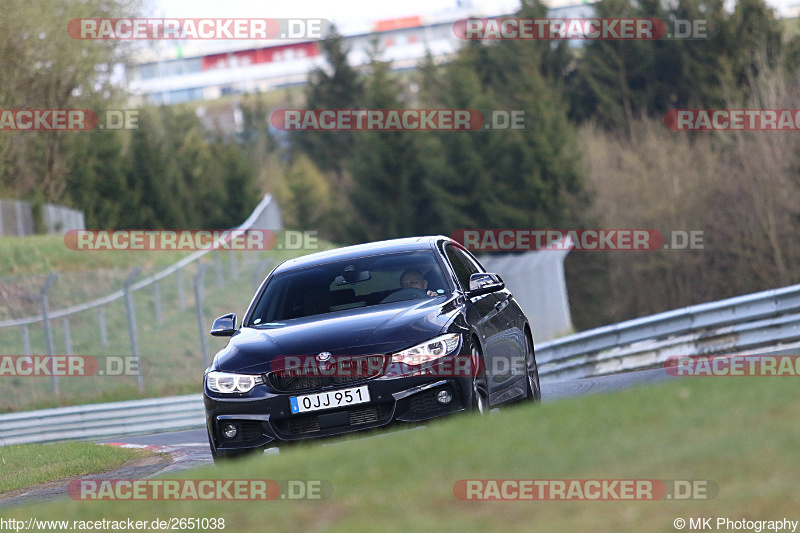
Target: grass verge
[(740, 433), (27, 465), (172, 359), (43, 254)]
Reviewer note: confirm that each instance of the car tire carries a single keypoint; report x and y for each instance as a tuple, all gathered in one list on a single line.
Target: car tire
[(532, 371), (480, 385)]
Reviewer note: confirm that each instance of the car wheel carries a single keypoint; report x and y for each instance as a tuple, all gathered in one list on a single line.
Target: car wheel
[(532, 371), (480, 385)]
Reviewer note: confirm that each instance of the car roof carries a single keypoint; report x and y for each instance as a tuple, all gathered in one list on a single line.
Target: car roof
[(407, 244)]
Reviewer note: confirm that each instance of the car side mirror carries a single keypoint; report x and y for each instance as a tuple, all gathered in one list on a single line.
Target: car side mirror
[(484, 283), (224, 326)]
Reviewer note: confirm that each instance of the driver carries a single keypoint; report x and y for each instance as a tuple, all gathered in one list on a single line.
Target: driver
[(413, 279)]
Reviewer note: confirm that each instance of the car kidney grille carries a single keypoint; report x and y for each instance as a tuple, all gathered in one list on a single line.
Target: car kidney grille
[(357, 369), (294, 383)]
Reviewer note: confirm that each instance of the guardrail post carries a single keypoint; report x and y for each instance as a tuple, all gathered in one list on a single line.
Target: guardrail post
[(234, 272), (20, 220), (258, 274), (132, 325), (26, 340), (157, 303), (181, 297), (48, 335), (198, 303), (67, 337), (218, 268), (101, 325)]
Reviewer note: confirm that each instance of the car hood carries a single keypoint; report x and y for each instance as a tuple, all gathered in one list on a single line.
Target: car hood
[(378, 329)]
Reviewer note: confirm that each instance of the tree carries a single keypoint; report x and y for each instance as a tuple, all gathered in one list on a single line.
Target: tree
[(45, 68), (153, 183), (335, 87), (513, 178), (619, 81), (384, 166), (306, 202), (96, 177)]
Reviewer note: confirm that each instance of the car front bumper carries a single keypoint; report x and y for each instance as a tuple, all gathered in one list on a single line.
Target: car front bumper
[(264, 418)]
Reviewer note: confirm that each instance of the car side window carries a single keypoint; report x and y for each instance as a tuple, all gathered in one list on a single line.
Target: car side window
[(473, 263), (463, 265)]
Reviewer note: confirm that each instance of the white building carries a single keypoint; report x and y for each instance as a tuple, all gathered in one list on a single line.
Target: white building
[(207, 70)]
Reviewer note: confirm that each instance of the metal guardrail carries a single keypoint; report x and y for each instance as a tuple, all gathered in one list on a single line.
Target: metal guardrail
[(247, 224), (757, 323), (96, 421)]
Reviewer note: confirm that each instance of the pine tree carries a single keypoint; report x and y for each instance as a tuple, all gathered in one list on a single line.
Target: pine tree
[(336, 87), (96, 178), (384, 166)]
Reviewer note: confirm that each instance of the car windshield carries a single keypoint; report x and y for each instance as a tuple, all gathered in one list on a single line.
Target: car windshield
[(350, 284)]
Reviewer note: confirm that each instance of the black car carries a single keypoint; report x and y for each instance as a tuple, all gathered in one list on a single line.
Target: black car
[(359, 337)]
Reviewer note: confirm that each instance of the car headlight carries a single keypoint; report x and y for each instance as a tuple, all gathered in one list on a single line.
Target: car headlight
[(232, 383), (429, 350)]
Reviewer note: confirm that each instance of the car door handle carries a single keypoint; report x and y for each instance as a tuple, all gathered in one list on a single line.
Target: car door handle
[(500, 305)]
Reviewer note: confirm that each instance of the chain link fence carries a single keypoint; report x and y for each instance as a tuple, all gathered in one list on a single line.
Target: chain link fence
[(142, 329)]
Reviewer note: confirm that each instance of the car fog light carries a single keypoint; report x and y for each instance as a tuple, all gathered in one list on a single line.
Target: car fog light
[(230, 431), (444, 397)]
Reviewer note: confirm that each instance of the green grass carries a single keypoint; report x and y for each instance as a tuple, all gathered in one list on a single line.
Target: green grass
[(741, 433), (43, 254), (31, 464), (172, 352), (26, 262)]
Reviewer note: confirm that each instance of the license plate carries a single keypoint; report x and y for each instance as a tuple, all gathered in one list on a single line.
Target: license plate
[(329, 400)]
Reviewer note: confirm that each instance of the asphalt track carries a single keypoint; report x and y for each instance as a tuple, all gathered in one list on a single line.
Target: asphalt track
[(189, 448)]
